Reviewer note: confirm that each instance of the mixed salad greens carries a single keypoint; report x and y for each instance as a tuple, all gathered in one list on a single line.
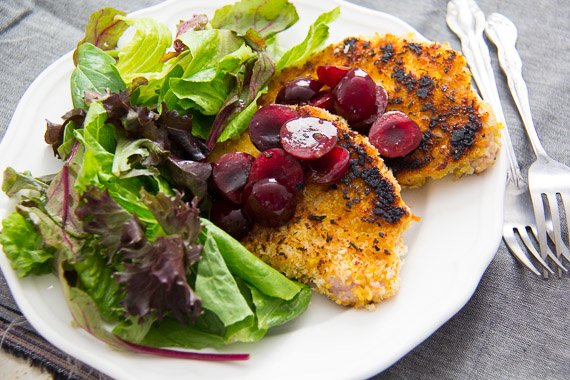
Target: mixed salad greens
[(124, 222)]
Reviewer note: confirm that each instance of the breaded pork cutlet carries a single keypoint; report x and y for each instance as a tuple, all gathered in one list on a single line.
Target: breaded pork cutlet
[(430, 83), (345, 239)]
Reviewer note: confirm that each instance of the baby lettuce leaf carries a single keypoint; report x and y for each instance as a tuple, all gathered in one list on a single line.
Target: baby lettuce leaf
[(95, 277), (103, 29), (313, 42), (143, 53), (272, 311), (95, 71), (248, 267), (171, 333), (217, 288), (13, 182), (265, 17), (24, 246)]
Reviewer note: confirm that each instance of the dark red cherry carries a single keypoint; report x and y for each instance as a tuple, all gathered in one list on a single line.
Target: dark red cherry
[(269, 203), (381, 103), (331, 75), (394, 134), (230, 218), (230, 174), (278, 164), (266, 123), (323, 100), (355, 96), (308, 138), (298, 91), (330, 167)]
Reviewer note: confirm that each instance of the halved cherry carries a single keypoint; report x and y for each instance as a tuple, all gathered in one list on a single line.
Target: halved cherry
[(355, 96), (298, 91), (266, 123), (230, 174), (269, 203), (330, 167), (308, 138), (394, 134), (381, 103), (323, 100), (278, 164), (331, 75)]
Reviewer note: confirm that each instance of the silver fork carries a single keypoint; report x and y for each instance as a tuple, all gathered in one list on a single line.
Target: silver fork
[(467, 20), (549, 180)]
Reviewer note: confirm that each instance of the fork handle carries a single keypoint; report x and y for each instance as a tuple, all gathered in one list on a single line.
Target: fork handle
[(467, 20), (503, 33)]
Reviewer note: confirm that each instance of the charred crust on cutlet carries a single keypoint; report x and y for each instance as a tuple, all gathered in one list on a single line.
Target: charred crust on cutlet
[(464, 137), (387, 52), (408, 80), (349, 44), (316, 218), (365, 179), (415, 47)]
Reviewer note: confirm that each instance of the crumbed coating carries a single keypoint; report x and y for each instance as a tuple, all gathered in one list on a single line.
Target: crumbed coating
[(345, 239), (430, 83)]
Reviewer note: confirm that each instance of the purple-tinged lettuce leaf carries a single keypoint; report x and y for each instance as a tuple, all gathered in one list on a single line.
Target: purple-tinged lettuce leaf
[(182, 142), (102, 216), (174, 215), (55, 133), (103, 29), (155, 280), (256, 78), (154, 272), (197, 22), (265, 17), (188, 175)]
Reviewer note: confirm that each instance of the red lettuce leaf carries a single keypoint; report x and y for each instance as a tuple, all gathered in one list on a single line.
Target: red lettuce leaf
[(155, 280), (103, 29), (154, 272), (55, 132)]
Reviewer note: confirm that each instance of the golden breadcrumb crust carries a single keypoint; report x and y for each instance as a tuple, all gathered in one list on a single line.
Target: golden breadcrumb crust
[(430, 83), (345, 239)]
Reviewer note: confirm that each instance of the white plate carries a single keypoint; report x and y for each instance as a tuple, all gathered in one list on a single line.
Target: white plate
[(448, 251)]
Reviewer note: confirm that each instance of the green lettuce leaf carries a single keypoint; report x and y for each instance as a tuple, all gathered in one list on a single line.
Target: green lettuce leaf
[(316, 38), (13, 182), (24, 246), (265, 17), (143, 53), (271, 311), (171, 333), (217, 288), (249, 267), (95, 277), (95, 71)]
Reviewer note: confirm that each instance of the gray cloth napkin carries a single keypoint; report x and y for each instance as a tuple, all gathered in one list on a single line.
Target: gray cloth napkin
[(516, 325)]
